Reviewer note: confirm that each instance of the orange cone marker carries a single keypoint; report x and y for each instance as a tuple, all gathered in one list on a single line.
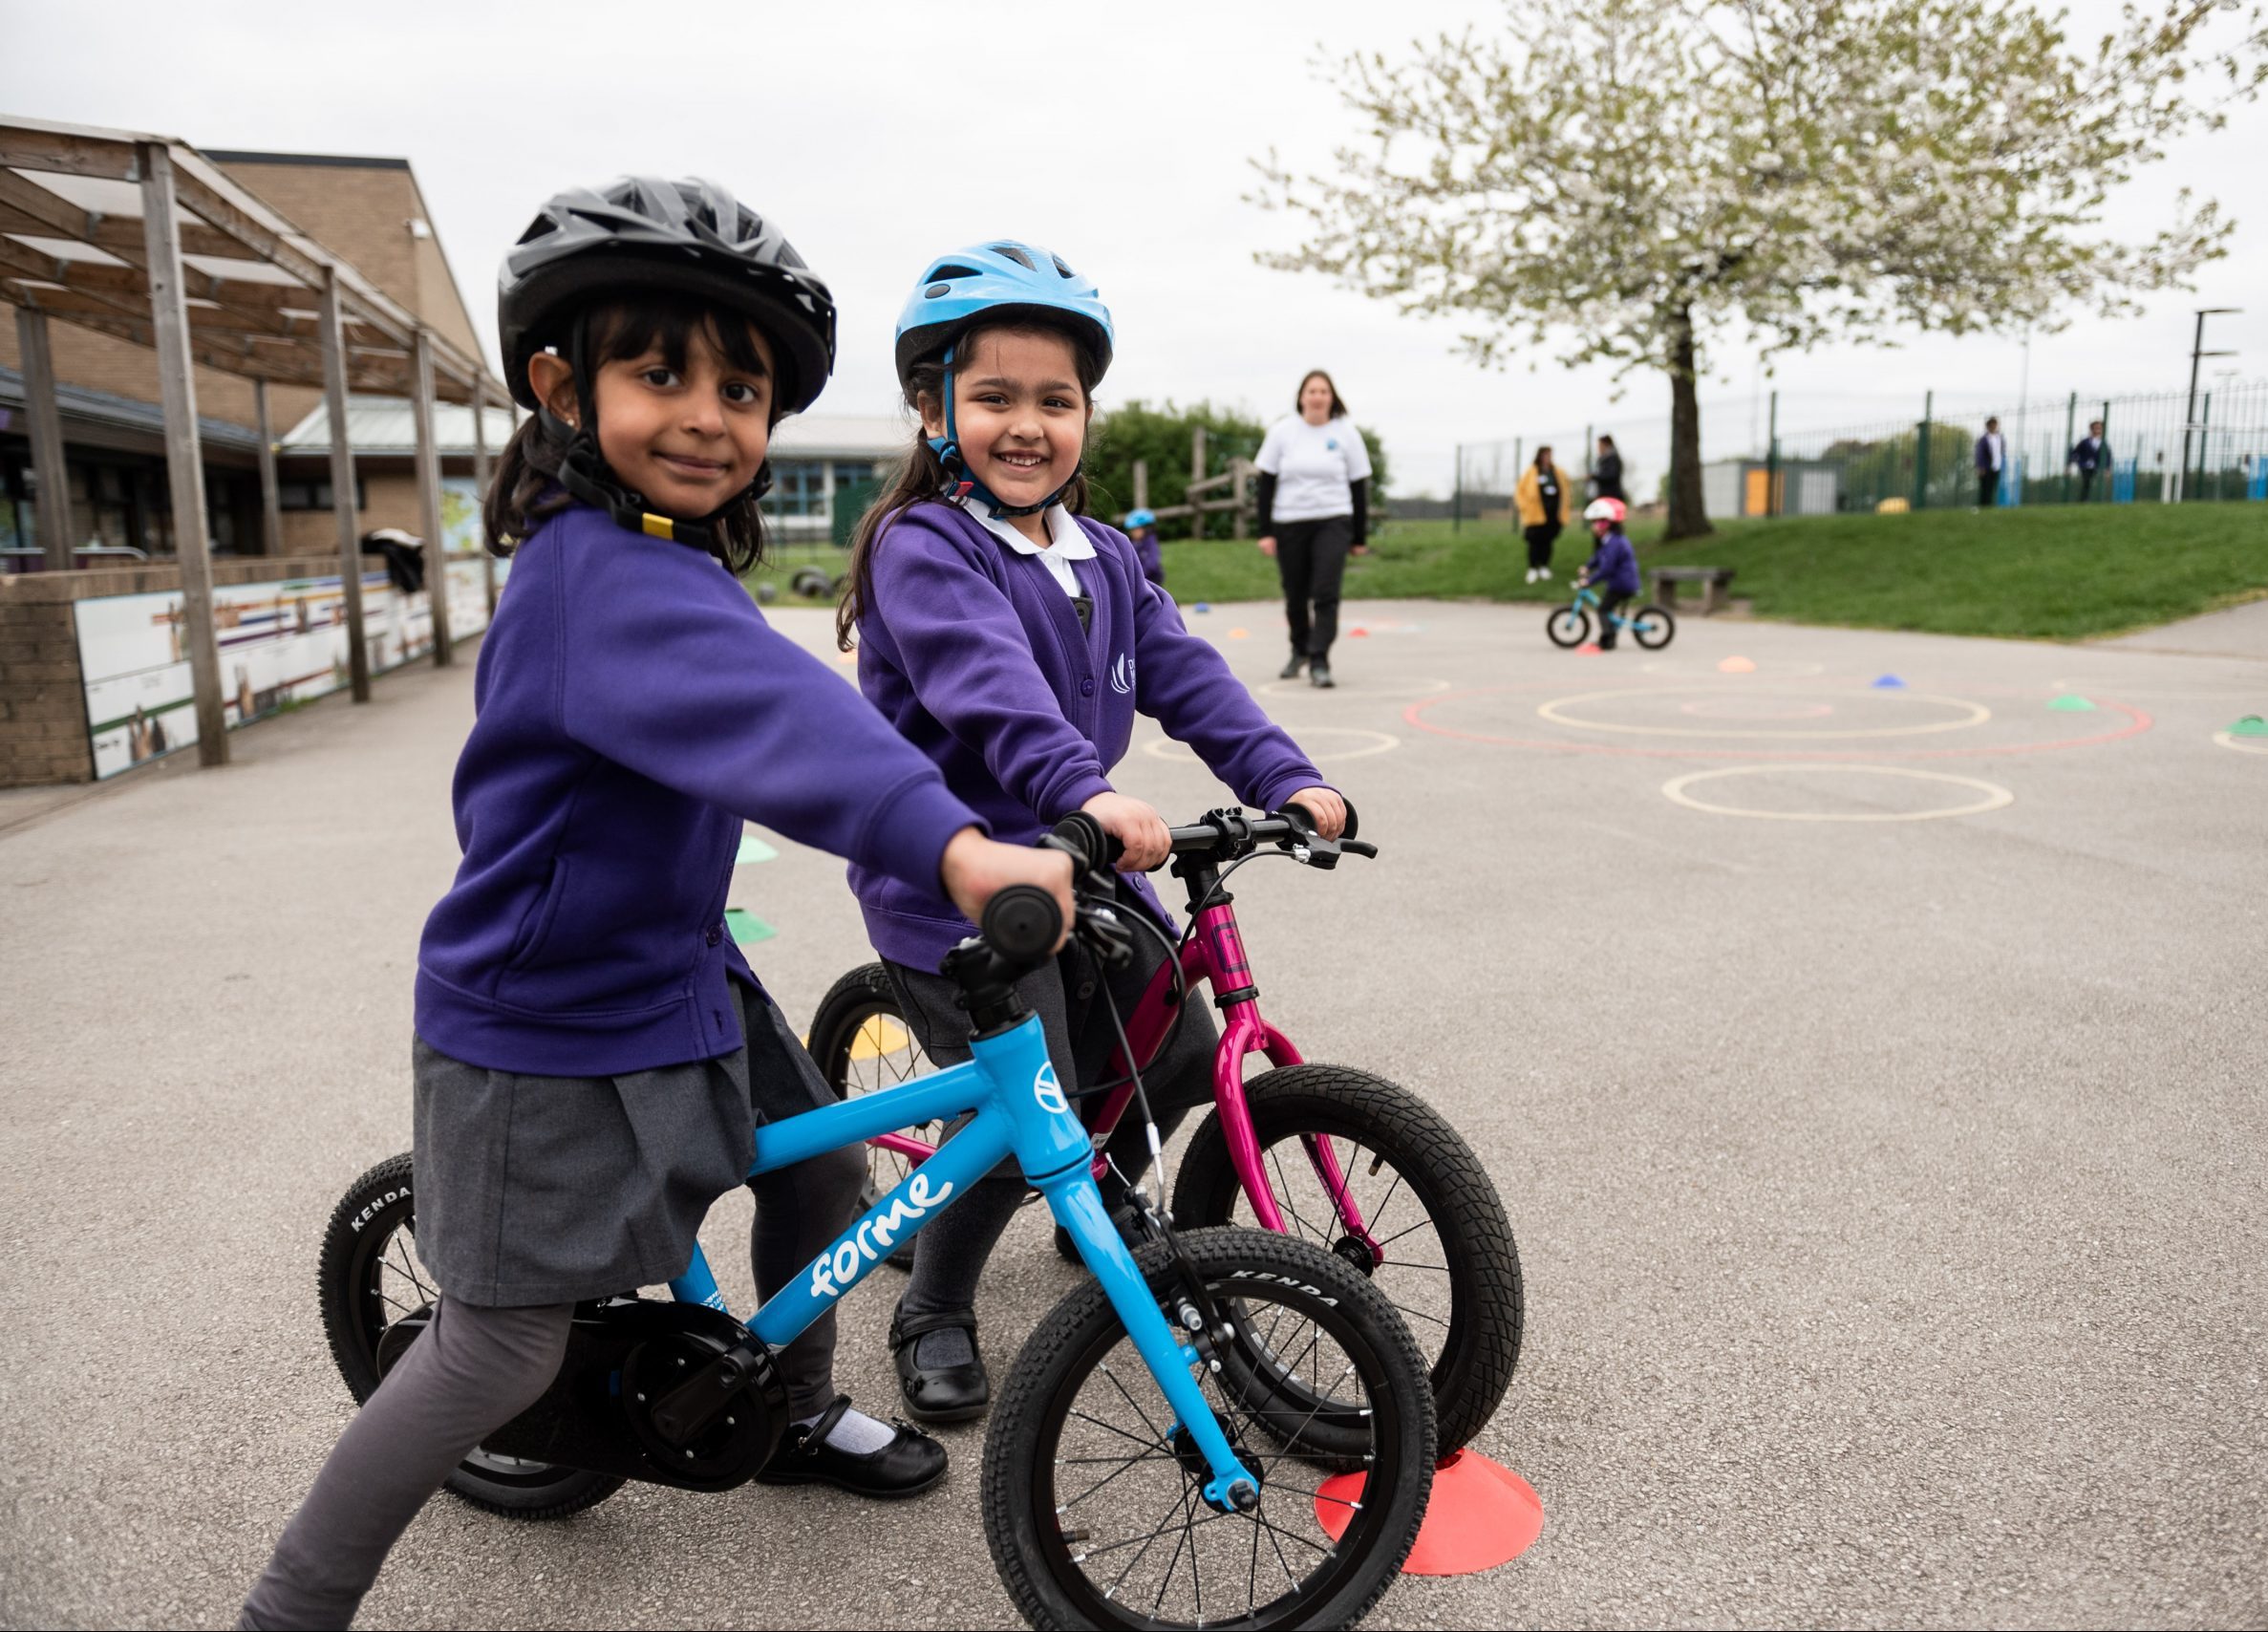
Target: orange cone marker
[(1481, 1514), (1589, 648), (1737, 665), (1238, 633)]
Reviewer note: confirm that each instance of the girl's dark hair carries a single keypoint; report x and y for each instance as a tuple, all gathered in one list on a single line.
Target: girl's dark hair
[(1338, 409), (526, 489), (1543, 452), (921, 473), (1607, 441)]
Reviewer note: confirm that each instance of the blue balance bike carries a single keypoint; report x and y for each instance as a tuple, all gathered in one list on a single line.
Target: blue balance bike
[(1650, 626), (1159, 1452)]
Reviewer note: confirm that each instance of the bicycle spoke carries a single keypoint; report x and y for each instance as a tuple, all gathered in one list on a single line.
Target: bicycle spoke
[(1378, 1213), (1168, 1578), (1130, 1400), (1106, 1479), (1111, 1428), (1421, 1315)]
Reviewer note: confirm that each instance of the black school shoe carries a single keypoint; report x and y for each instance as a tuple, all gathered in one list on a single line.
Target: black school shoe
[(939, 1393), (1320, 672), (905, 1466), (1291, 669)]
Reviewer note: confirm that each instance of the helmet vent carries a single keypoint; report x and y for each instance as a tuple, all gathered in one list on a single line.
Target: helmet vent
[(1063, 268), (1012, 253), (955, 270)]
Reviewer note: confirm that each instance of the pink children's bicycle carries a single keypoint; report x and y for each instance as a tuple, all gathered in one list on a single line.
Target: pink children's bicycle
[(1355, 1164)]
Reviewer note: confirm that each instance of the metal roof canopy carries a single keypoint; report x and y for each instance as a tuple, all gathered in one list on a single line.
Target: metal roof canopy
[(141, 237)]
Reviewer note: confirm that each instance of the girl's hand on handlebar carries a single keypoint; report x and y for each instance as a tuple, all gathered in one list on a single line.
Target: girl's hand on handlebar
[(974, 870), (1268, 545), (1329, 810), (1134, 824)]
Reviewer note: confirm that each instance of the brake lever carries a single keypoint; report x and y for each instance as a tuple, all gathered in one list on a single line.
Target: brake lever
[(1104, 932)]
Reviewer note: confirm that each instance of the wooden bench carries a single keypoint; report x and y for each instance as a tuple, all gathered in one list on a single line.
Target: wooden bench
[(1713, 580)]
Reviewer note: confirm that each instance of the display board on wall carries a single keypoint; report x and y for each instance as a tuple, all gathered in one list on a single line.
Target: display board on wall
[(283, 643)]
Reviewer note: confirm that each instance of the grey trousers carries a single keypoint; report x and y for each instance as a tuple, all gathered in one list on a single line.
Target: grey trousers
[(478, 1366)]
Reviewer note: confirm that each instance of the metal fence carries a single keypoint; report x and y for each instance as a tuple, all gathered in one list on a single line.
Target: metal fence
[(2162, 449)]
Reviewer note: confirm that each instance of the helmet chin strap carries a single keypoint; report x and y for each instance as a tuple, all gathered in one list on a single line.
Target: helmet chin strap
[(959, 483), (587, 476)]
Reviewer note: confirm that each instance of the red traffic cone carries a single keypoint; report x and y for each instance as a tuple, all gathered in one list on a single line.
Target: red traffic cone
[(1481, 1514)]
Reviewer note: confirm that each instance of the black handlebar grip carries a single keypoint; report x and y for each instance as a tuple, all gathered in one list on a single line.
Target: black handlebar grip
[(1083, 836), (1023, 923), (1353, 822)]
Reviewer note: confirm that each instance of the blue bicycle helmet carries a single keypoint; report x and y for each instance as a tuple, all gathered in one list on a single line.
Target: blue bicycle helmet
[(1141, 519), (995, 280)]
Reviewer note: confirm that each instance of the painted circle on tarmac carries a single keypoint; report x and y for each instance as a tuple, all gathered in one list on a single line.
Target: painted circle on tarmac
[(1985, 795), (2241, 744), (1359, 688), (1733, 708), (1365, 744), (1556, 711), (1695, 669), (2119, 721)]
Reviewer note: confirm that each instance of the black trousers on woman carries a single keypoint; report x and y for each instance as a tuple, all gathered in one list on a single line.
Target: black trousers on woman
[(1312, 557), (1540, 539)]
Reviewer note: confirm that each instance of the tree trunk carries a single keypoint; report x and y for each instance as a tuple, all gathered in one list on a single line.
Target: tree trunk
[(1688, 517)]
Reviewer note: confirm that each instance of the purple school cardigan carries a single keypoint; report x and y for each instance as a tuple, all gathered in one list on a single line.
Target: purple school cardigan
[(975, 653), (634, 708)]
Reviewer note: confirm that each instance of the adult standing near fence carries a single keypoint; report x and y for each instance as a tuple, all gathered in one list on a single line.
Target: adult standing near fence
[(1541, 497), (1992, 457), (1314, 506), (1606, 472), (2089, 454)]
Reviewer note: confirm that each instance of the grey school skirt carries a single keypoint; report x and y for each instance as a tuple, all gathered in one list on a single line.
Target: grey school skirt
[(550, 1189)]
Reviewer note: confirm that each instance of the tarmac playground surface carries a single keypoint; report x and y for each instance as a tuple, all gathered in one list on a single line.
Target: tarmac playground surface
[(1872, 1076)]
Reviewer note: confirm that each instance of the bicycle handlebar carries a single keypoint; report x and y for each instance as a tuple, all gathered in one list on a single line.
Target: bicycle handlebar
[(1228, 835)]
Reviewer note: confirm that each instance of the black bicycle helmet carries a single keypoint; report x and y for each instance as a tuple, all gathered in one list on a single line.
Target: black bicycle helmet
[(642, 234)]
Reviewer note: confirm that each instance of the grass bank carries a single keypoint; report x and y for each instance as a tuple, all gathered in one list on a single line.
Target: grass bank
[(2045, 574)]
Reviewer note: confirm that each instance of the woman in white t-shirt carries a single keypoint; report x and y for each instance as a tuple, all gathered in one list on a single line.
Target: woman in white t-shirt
[(1313, 500)]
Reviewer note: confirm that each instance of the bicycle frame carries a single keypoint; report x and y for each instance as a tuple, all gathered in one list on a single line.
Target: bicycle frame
[(1020, 1110), (1586, 594), (1213, 955)]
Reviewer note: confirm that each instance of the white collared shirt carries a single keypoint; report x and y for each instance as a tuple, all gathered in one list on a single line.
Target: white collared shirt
[(1066, 543)]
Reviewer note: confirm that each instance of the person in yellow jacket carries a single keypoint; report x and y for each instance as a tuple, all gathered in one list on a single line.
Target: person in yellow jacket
[(1541, 494)]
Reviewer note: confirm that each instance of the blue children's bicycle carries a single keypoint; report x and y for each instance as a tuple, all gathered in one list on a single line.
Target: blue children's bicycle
[(1158, 1453), (1651, 626)]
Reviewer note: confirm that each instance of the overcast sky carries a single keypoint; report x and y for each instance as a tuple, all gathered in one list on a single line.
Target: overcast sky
[(880, 134)]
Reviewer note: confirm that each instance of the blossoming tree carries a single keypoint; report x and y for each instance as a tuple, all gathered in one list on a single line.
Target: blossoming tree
[(1638, 177)]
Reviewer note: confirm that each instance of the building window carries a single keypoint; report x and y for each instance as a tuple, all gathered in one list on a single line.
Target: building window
[(799, 489), (850, 472), (316, 494)]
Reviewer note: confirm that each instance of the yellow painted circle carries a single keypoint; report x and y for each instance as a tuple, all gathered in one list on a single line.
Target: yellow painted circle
[(2241, 744), (1994, 797), (1975, 714), (1370, 742)]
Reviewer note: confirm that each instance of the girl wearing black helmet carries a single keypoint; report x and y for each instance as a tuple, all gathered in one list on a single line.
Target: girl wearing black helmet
[(593, 1052), (1014, 639)]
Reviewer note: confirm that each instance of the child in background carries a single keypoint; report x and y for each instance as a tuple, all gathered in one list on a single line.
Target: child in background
[(593, 1054), (1142, 532), (1613, 563), (1013, 642)]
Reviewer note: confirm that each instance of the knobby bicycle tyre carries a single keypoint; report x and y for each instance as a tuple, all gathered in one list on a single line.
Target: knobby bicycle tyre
[(842, 1044), (1567, 627), (1486, 1312), (1654, 626), (368, 1277), (1043, 1535)]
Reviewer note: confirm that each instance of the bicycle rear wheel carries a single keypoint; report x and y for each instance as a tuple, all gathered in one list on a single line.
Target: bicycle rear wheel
[(1449, 1265), (370, 1277), (1567, 627), (1092, 1504), (861, 1043), (1652, 627)]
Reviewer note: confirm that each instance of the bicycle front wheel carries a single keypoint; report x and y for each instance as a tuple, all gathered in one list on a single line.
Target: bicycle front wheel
[(1438, 1245), (1568, 627), (1093, 1503), (1653, 628)]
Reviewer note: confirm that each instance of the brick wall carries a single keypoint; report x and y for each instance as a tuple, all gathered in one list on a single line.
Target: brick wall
[(43, 698)]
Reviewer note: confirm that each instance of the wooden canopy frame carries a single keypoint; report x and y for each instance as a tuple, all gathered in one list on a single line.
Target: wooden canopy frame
[(286, 311)]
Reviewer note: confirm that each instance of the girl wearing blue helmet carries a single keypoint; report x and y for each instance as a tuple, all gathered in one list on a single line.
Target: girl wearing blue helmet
[(1142, 532), (1012, 639)]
